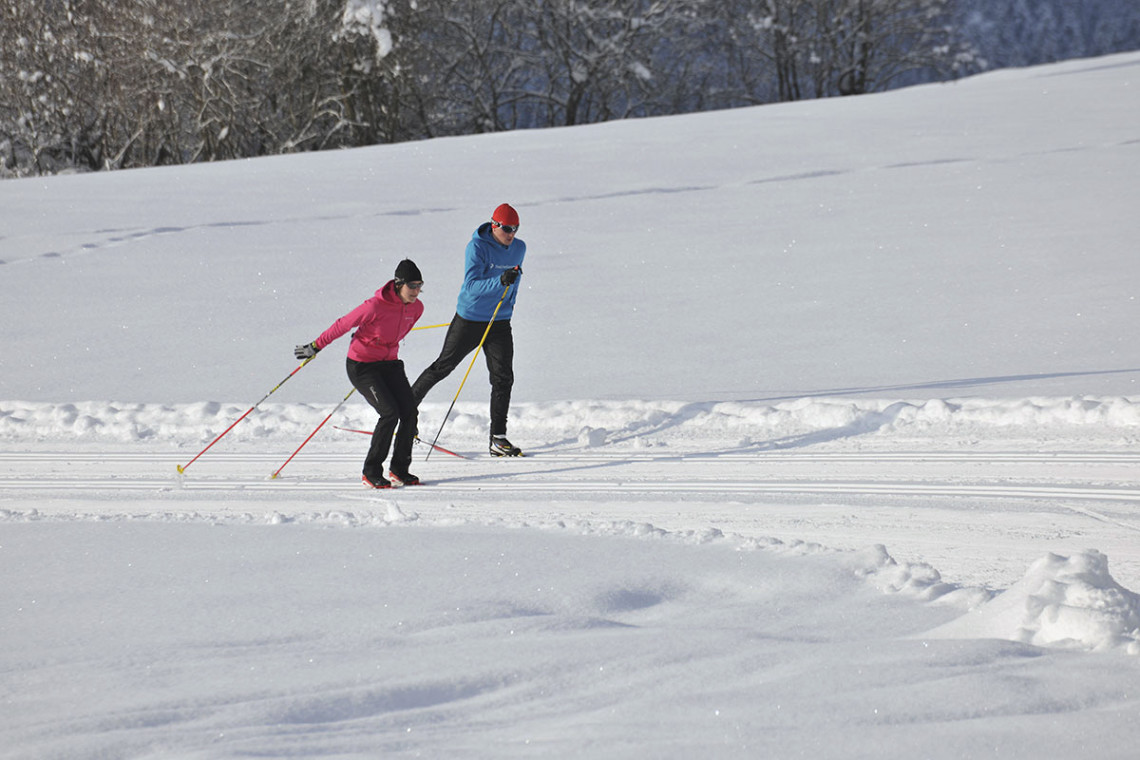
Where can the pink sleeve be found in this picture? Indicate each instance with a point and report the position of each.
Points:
(342, 325)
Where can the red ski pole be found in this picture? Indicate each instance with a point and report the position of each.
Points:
(182, 467)
(326, 419)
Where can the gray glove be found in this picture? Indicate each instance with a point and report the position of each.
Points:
(306, 351)
(509, 276)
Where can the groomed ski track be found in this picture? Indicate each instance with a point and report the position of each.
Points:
(966, 513)
(1087, 476)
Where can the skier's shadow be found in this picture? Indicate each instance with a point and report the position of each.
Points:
(860, 427)
(580, 467)
(869, 421)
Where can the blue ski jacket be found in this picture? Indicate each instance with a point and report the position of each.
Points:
(486, 258)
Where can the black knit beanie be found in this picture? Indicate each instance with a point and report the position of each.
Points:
(407, 271)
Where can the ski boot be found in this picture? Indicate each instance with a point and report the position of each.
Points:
(404, 479)
(501, 447)
(376, 482)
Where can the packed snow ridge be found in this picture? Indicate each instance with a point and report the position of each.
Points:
(596, 422)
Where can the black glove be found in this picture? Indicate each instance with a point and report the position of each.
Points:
(509, 276)
(306, 351)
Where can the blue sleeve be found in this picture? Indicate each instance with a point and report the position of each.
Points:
(481, 288)
(480, 278)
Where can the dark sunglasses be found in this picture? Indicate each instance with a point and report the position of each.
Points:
(414, 285)
(510, 229)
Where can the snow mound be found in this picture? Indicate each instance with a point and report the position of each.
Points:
(1067, 602)
(916, 580)
(759, 425)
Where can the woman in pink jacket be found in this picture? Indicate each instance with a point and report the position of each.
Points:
(376, 371)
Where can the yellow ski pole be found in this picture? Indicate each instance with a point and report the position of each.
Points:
(469, 368)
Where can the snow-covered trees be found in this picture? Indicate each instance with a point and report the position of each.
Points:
(100, 84)
(116, 83)
(793, 49)
(1028, 32)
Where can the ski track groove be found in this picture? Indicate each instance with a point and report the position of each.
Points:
(707, 485)
(535, 476)
(731, 474)
(751, 489)
(1061, 457)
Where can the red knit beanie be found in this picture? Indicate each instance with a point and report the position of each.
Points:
(504, 214)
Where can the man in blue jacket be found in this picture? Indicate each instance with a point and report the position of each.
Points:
(493, 266)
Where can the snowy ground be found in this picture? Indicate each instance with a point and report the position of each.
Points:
(831, 408)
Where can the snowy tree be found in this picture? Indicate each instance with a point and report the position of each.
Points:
(1028, 32)
(376, 64)
(509, 64)
(472, 72)
(98, 84)
(62, 74)
(792, 49)
(594, 58)
(366, 18)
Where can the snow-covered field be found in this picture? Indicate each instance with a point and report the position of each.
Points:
(833, 410)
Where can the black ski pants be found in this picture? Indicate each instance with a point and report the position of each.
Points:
(463, 337)
(384, 385)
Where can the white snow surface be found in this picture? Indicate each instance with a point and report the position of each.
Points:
(831, 407)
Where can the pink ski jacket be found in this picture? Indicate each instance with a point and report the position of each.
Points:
(381, 323)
